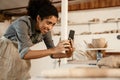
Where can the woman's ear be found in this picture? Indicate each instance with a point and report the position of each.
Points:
(38, 18)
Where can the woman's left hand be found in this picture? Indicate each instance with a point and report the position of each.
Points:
(69, 49)
(69, 53)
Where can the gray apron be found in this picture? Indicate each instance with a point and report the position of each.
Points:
(12, 67)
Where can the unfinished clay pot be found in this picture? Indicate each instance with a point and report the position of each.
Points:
(99, 43)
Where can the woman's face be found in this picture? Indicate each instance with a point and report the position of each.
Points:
(46, 24)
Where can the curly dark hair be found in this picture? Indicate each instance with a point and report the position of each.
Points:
(43, 8)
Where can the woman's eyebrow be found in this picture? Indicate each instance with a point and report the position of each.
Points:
(51, 23)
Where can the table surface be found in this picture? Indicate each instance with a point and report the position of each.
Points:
(80, 70)
(82, 62)
(88, 72)
(42, 78)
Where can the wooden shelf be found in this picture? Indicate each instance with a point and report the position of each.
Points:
(85, 23)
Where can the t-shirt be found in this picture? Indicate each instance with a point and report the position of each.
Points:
(23, 32)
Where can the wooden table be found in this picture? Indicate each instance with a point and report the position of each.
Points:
(81, 74)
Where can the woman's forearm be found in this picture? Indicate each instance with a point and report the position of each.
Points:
(34, 54)
(60, 55)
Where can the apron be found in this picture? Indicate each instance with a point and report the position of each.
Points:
(12, 67)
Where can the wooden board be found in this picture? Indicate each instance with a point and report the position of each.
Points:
(82, 73)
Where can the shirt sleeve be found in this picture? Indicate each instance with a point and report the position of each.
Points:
(48, 40)
(23, 38)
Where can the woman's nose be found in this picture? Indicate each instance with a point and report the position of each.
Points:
(50, 27)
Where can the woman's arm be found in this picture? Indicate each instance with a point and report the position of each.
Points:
(49, 43)
(58, 50)
(34, 54)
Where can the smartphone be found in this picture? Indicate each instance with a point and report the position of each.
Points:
(71, 35)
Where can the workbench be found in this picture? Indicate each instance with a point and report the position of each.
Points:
(78, 70)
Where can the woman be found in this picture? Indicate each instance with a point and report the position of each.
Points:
(15, 53)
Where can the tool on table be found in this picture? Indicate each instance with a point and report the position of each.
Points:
(59, 61)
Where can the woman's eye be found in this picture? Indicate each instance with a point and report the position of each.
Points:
(49, 23)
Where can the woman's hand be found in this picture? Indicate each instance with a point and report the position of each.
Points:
(62, 46)
(64, 49)
(69, 53)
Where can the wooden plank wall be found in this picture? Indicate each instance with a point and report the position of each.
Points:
(94, 4)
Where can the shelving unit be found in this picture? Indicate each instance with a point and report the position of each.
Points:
(113, 21)
(90, 23)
